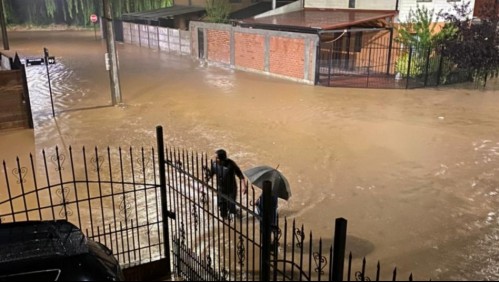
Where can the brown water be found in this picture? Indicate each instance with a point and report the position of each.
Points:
(415, 172)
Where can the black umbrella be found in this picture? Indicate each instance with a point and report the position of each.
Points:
(280, 185)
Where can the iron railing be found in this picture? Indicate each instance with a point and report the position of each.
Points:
(373, 59)
(117, 197)
(111, 195)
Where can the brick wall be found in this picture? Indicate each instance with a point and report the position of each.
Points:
(250, 51)
(218, 46)
(277, 53)
(287, 56)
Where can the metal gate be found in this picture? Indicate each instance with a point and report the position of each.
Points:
(371, 58)
(147, 204)
(111, 194)
(246, 246)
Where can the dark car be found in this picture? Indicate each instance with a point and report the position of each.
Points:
(53, 251)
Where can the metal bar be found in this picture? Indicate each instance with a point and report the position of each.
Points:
(439, 72)
(378, 270)
(125, 208)
(146, 202)
(320, 32)
(48, 184)
(408, 67)
(63, 195)
(75, 186)
(99, 182)
(390, 46)
(8, 190)
(285, 249)
(132, 171)
(340, 236)
(349, 266)
(310, 255)
(369, 66)
(162, 183)
(36, 186)
(266, 231)
(112, 186)
(426, 67)
(21, 182)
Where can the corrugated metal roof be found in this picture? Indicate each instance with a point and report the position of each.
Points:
(320, 19)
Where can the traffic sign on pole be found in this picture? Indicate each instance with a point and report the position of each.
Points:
(93, 18)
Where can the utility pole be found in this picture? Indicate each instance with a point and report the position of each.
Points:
(4, 28)
(112, 55)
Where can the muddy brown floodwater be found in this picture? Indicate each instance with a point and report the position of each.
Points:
(415, 172)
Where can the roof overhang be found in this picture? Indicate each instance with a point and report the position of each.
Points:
(317, 20)
(162, 13)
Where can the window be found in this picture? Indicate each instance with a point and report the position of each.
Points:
(453, 0)
(351, 4)
(420, 1)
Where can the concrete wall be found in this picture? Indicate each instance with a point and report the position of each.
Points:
(281, 54)
(161, 38)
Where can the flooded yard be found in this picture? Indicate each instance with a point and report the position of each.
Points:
(415, 172)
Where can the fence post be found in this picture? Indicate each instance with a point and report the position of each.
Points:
(266, 231)
(340, 238)
(426, 67)
(439, 72)
(390, 47)
(369, 66)
(408, 67)
(164, 207)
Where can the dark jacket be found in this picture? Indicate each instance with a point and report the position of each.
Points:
(226, 173)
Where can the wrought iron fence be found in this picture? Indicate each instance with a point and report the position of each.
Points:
(111, 195)
(373, 59)
(126, 199)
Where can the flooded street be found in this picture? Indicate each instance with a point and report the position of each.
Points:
(415, 172)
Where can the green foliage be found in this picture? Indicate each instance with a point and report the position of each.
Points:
(420, 30)
(71, 12)
(402, 65)
(474, 46)
(217, 11)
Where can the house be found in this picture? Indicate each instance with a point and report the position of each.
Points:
(485, 8)
(326, 42)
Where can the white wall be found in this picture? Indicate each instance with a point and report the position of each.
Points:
(438, 5)
(293, 7)
(359, 4)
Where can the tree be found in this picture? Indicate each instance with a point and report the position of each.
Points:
(475, 44)
(217, 11)
(71, 12)
(420, 29)
(419, 34)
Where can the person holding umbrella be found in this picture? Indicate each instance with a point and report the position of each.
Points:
(226, 171)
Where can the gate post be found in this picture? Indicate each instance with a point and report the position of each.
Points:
(266, 231)
(409, 67)
(340, 238)
(164, 207)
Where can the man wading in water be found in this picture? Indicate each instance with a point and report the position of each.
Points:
(226, 171)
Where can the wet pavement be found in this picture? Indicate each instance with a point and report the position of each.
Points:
(415, 172)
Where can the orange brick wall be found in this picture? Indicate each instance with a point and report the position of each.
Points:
(249, 50)
(287, 56)
(283, 54)
(218, 45)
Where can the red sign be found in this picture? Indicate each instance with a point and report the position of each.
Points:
(93, 18)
